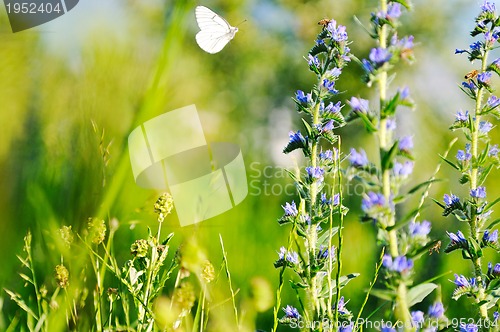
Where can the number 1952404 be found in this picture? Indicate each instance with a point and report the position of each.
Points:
(33, 8)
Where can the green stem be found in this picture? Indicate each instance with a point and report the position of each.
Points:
(474, 222)
(312, 235)
(340, 235)
(401, 306)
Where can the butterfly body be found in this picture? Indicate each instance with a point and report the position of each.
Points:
(215, 32)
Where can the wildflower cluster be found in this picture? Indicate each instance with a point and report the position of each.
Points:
(474, 163)
(312, 216)
(406, 239)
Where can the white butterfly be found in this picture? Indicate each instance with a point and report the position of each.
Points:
(215, 31)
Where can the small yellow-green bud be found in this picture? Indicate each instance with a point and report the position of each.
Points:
(66, 235)
(139, 248)
(62, 276)
(207, 271)
(163, 206)
(97, 230)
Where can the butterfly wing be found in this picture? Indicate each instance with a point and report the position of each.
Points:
(215, 31)
(212, 42)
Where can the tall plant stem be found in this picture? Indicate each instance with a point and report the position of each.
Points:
(401, 306)
(474, 222)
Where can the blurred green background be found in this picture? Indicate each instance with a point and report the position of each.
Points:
(119, 63)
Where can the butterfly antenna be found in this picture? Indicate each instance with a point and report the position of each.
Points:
(241, 23)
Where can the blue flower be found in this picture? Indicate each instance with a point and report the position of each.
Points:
(461, 281)
(463, 155)
(291, 312)
(331, 108)
(303, 98)
(495, 316)
(328, 126)
(488, 7)
(479, 192)
(460, 51)
(367, 66)
(406, 143)
(468, 328)
(391, 124)
(358, 159)
(484, 78)
(469, 85)
(379, 56)
(315, 173)
(372, 199)
(323, 253)
(475, 46)
(341, 306)
(399, 264)
(339, 33)
(359, 105)
(450, 199)
(459, 238)
(326, 155)
(490, 237)
(417, 316)
(436, 310)
(330, 86)
(325, 200)
(296, 137)
(493, 101)
(419, 229)
(485, 126)
(313, 61)
(336, 199)
(493, 151)
(335, 72)
(290, 209)
(393, 10)
(493, 271)
(404, 93)
(496, 63)
(288, 256)
(461, 116)
(403, 169)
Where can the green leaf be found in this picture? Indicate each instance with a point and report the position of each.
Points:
(344, 280)
(484, 174)
(384, 294)
(493, 223)
(317, 49)
(367, 122)
(474, 248)
(490, 205)
(390, 108)
(459, 292)
(389, 156)
(464, 179)
(307, 126)
(423, 184)
(450, 163)
(298, 285)
(418, 293)
(323, 239)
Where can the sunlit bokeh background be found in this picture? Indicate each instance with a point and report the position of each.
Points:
(119, 63)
